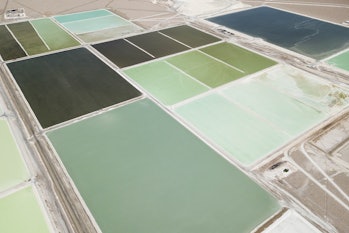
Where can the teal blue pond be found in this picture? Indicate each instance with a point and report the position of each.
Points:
(310, 37)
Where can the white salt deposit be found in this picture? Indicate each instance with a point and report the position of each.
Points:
(292, 222)
(204, 7)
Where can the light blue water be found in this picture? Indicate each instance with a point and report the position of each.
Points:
(95, 24)
(82, 16)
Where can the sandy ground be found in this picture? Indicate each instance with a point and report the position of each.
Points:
(142, 12)
(148, 14)
(317, 177)
(336, 11)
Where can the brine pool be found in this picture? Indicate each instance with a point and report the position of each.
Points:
(308, 36)
(20, 209)
(135, 166)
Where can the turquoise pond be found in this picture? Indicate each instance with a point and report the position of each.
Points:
(96, 25)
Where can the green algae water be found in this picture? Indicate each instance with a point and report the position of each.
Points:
(190, 36)
(138, 170)
(243, 59)
(205, 69)
(20, 213)
(54, 36)
(29, 39)
(71, 83)
(165, 83)
(12, 168)
(9, 48)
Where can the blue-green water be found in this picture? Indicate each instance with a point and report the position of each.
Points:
(307, 36)
(82, 16)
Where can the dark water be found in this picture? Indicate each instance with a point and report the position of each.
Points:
(122, 53)
(190, 36)
(9, 48)
(310, 37)
(28, 37)
(69, 84)
(156, 44)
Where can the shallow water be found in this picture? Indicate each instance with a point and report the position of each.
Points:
(139, 170)
(165, 83)
(12, 168)
(96, 25)
(21, 212)
(250, 119)
(82, 16)
(205, 69)
(54, 36)
(340, 61)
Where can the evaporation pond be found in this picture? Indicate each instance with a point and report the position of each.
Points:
(96, 25)
(12, 168)
(242, 134)
(138, 170)
(165, 82)
(239, 58)
(307, 36)
(122, 53)
(9, 48)
(205, 69)
(251, 119)
(157, 44)
(54, 37)
(190, 36)
(340, 61)
(20, 212)
(28, 37)
(65, 85)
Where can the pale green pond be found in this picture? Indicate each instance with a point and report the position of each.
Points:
(139, 170)
(253, 118)
(12, 168)
(20, 212)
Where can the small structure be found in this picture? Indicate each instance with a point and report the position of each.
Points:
(15, 13)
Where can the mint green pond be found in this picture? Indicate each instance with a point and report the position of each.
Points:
(12, 168)
(96, 25)
(139, 170)
(251, 119)
(340, 61)
(82, 16)
(20, 213)
(165, 82)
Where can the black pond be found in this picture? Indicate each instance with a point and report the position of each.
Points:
(65, 85)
